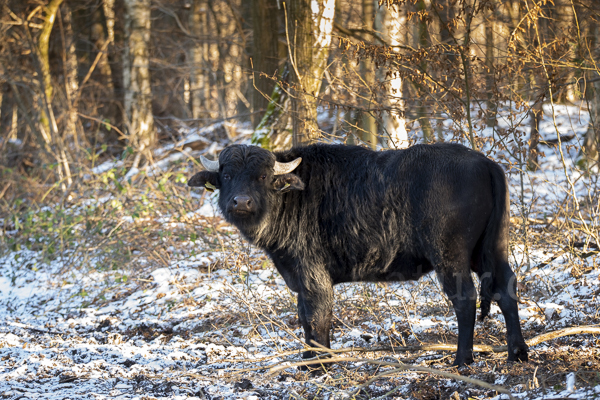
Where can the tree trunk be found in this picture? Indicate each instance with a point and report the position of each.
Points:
(272, 132)
(114, 35)
(367, 123)
(589, 156)
(49, 128)
(422, 110)
(43, 47)
(198, 59)
(309, 27)
(136, 77)
(71, 81)
(565, 22)
(99, 38)
(392, 23)
(492, 108)
(536, 113)
(265, 54)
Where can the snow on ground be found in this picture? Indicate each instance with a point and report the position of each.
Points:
(210, 322)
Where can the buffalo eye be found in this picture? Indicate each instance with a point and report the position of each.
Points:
(263, 177)
(226, 177)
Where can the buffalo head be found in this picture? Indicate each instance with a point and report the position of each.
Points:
(248, 178)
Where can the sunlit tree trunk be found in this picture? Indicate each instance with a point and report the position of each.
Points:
(49, 127)
(368, 124)
(264, 53)
(198, 58)
(44, 58)
(136, 77)
(309, 28)
(392, 23)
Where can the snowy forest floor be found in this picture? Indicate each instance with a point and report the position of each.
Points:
(131, 286)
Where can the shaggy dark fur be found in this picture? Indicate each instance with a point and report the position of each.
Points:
(349, 214)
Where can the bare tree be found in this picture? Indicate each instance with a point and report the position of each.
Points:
(368, 124)
(392, 22)
(136, 77)
(265, 53)
(198, 59)
(70, 73)
(309, 27)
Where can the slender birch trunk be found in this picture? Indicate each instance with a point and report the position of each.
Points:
(392, 22)
(136, 77)
(422, 110)
(367, 123)
(309, 27)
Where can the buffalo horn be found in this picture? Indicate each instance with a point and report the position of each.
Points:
(286, 168)
(212, 166)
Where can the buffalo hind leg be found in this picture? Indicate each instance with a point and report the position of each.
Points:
(315, 312)
(505, 289)
(461, 291)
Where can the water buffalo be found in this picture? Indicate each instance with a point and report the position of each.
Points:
(327, 214)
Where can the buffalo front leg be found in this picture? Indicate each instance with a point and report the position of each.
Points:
(461, 291)
(315, 304)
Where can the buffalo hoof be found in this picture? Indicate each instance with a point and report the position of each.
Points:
(462, 362)
(315, 369)
(518, 354)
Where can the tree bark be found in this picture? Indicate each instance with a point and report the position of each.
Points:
(492, 108)
(49, 128)
(565, 22)
(422, 110)
(44, 58)
(392, 22)
(114, 34)
(367, 123)
(136, 78)
(198, 58)
(99, 38)
(309, 27)
(265, 54)
(589, 156)
(536, 113)
(71, 81)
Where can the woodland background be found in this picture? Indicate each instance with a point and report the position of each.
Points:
(81, 77)
(117, 279)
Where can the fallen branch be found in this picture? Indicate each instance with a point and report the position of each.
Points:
(480, 348)
(399, 367)
(441, 347)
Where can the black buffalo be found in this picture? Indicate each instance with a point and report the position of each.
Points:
(349, 214)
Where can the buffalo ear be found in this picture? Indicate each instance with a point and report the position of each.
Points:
(206, 179)
(285, 183)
